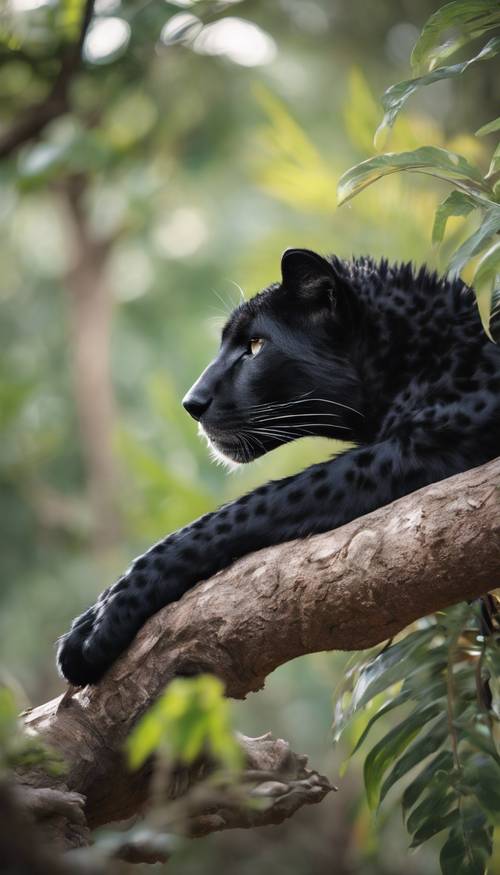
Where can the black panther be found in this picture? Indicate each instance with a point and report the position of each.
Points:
(392, 359)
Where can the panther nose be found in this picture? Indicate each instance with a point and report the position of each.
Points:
(196, 404)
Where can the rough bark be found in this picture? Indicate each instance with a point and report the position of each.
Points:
(348, 589)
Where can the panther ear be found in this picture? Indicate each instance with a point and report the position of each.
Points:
(307, 275)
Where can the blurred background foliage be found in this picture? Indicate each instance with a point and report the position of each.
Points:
(194, 143)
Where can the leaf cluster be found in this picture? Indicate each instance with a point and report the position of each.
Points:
(18, 750)
(451, 28)
(189, 720)
(440, 681)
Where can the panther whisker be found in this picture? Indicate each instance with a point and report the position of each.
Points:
(292, 416)
(313, 425)
(311, 400)
(243, 299)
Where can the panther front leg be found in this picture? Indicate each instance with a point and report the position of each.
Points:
(318, 499)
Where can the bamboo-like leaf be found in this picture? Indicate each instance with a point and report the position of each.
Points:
(392, 665)
(396, 96)
(389, 748)
(489, 128)
(431, 160)
(453, 26)
(443, 761)
(479, 737)
(482, 776)
(439, 797)
(467, 848)
(423, 747)
(490, 225)
(398, 700)
(435, 824)
(456, 204)
(365, 681)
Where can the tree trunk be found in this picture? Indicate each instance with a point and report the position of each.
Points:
(90, 314)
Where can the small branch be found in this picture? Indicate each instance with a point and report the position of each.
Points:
(274, 785)
(37, 117)
(348, 589)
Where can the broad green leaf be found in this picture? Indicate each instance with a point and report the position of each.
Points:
(431, 160)
(494, 324)
(467, 848)
(490, 225)
(456, 204)
(386, 751)
(396, 96)
(423, 747)
(489, 128)
(443, 761)
(453, 26)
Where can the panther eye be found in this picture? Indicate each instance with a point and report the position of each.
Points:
(256, 345)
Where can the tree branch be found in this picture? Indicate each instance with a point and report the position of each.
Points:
(348, 589)
(55, 104)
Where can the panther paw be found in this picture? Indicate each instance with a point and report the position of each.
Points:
(72, 656)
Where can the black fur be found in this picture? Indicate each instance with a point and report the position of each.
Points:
(391, 359)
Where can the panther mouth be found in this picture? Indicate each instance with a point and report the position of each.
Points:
(227, 449)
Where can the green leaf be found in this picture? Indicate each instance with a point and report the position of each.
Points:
(489, 128)
(396, 96)
(495, 314)
(389, 748)
(431, 160)
(453, 26)
(435, 823)
(467, 848)
(365, 681)
(482, 776)
(385, 709)
(494, 163)
(191, 716)
(488, 267)
(443, 761)
(479, 736)
(392, 665)
(416, 753)
(439, 797)
(8, 716)
(490, 225)
(456, 204)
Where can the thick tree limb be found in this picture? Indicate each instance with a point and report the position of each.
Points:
(348, 589)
